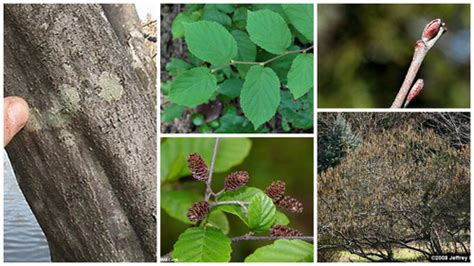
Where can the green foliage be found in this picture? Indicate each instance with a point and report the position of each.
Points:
(268, 30)
(299, 113)
(260, 95)
(171, 112)
(335, 143)
(202, 244)
(301, 17)
(174, 152)
(243, 55)
(283, 250)
(210, 41)
(207, 240)
(245, 194)
(300, 76)
(193, 87)
(262, 213)
(177, 203)
(219, 220)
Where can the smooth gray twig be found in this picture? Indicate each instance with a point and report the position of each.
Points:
(211, 169)
(270, 238)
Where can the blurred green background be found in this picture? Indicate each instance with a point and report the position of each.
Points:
(364, 52)
(287, 159)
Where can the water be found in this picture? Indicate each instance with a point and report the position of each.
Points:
(24, 240)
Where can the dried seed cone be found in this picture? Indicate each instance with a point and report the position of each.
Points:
(281, 230)
(290, 204)
(198, 167)
(198, 211)
(276, 190)
(236, 180)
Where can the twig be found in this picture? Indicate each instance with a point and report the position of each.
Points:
(430, 36)
(270, 238)
(232, 62)
(211, 169)
(242, 204)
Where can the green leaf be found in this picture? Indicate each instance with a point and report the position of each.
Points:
(247, 51)
(281, 219)
(300, 76)
(177, 28)
(297, 112)
(210, 41)
(216, 16)
(301, 16)
(240, 18)
(193, 87)
(282, 65)
(177, 203)
(260, 95)
(231, 122)
(202, 244)
(261, 213)
(165, 87)
(171, 112)
(175, 151)
(177, 66)
(230, 88)
(277, 8)
(245, 194)
(219, 220)
(268, 30)
(283, 250)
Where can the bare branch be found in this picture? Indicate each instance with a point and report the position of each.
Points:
(211, 169)
(270, 238)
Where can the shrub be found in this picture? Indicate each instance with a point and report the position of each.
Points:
(401, 188)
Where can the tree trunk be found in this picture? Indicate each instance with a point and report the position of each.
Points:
(86, 160)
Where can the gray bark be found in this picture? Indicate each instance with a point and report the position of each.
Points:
(86, 160)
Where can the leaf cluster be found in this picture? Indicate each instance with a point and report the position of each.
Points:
(255, 58)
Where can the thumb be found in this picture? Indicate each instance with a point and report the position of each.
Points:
(15, 114)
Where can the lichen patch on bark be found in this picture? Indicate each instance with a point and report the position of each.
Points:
(110, 87)
(69, 98)
(67, 137)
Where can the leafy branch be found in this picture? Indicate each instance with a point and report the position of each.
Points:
(233, 62)
(431, 34)
(255, 207)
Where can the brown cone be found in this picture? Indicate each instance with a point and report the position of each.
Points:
(276, 190)
(198, 211)
(198, 167)
(290, 204)
(236, 180)
(281, 230)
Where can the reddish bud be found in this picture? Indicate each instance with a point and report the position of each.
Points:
(414, 91)
(431, 30)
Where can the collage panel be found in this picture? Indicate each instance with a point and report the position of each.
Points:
(236, 199)
(394, 55)
(80, 130)
(394, 187)
(237, 68)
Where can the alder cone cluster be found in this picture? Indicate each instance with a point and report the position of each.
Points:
(290, 204)
(236, 180)
(198, 211)
(198, 167)
(276, 190)
(281, 230)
